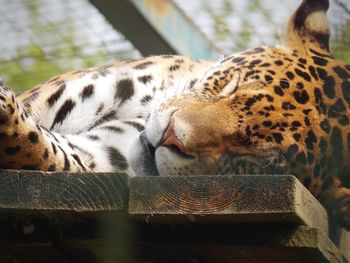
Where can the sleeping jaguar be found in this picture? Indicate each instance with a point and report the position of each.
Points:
(280, 109)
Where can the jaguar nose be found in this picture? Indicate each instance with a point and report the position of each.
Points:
(170, 139)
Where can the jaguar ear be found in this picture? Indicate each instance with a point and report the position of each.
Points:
(309, 26)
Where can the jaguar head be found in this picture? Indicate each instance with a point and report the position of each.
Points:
(265, 110)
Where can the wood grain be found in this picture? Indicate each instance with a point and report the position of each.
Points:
(78, 192)
(208, 218)
(232, 198)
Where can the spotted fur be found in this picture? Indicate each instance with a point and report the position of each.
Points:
(280, 109)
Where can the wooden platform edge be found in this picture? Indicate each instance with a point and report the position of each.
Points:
(330, 251)
(294, 243)
(256, 198)
(313, 214)
(308, 209)
(175, 199)
(78, 192)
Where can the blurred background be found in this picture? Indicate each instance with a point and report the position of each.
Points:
(43, 38)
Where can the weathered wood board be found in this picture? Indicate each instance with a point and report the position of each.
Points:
(80, 192)
(225, 198)
(280, 243)
(107, 217)
(232, 199)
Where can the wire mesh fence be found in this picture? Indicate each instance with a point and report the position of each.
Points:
(44, 38)
(235, 25)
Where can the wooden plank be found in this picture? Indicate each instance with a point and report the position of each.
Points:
(257, 198)
(308, 209)
(78, 192)
(343, 242)
(340, 237)
(229, 199)
(215, 198)
(157, 27)
(33, 206)
(249, 243)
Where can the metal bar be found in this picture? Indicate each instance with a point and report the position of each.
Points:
(157, 27)
(176, 28)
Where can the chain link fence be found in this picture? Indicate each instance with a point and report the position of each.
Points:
(43, 38)
(235, 25)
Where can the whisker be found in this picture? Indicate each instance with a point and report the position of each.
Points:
(270, 162)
